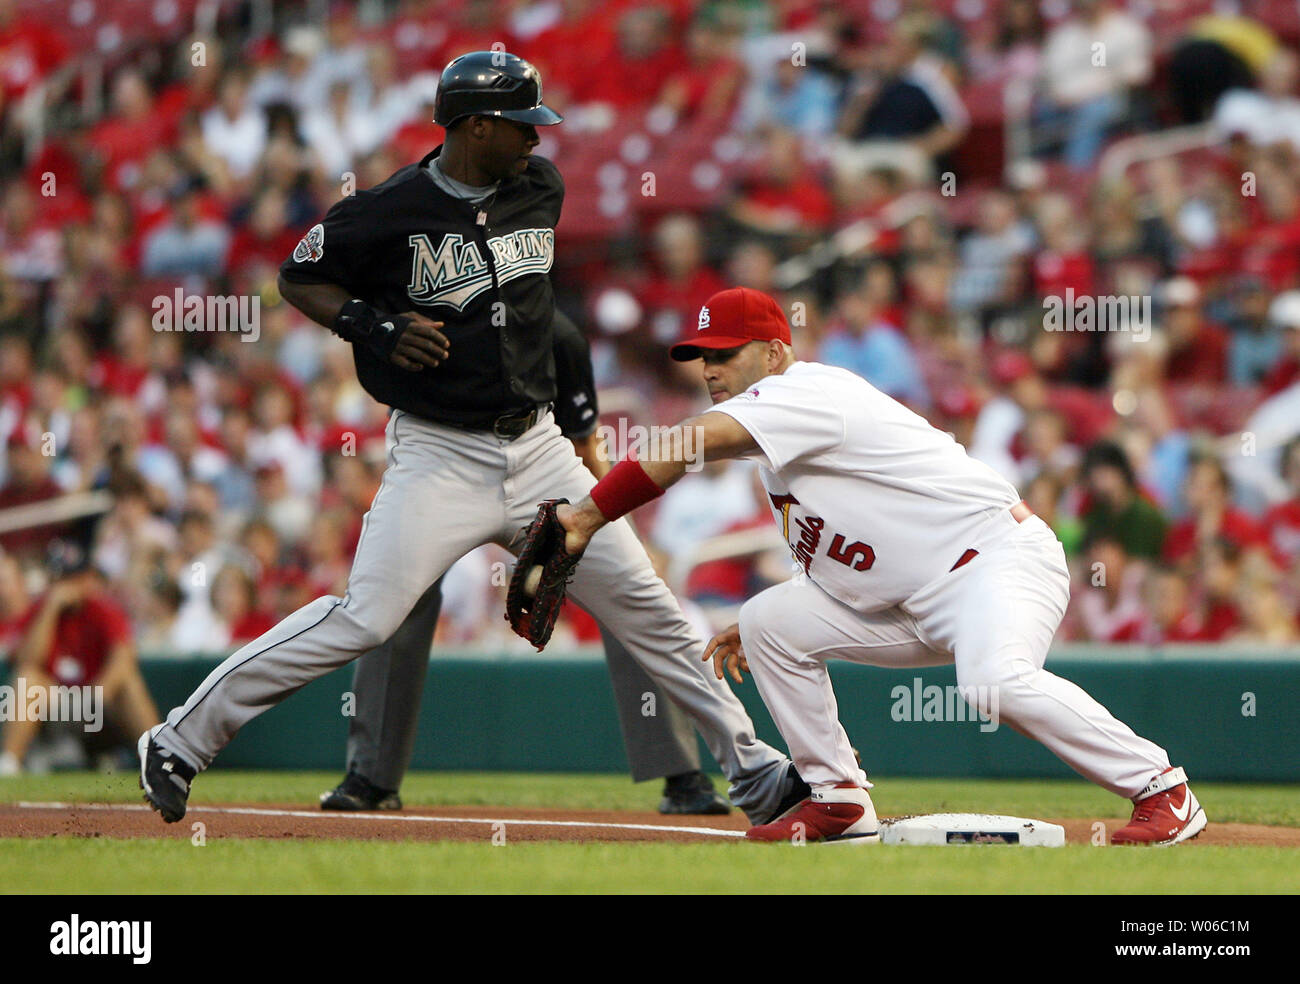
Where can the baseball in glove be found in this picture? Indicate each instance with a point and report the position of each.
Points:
(542, 573)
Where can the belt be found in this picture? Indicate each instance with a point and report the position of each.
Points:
(511, 425)
(508, 426)
(1019, 512)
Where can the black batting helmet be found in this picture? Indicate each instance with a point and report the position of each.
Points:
(492, 83)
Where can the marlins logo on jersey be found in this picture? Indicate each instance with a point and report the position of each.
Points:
(456, 272)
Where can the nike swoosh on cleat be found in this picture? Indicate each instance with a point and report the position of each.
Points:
(1183, 814)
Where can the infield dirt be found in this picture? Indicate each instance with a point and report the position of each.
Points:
(468, 824)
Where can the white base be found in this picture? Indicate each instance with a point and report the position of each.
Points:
(971, 828)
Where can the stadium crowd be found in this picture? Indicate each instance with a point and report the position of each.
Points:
(837, 155)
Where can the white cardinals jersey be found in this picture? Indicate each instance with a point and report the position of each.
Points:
(873, 500)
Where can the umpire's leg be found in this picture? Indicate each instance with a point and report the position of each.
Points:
(388, 684)
(658, 744)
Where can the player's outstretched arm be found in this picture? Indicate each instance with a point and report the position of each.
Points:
(634, 481)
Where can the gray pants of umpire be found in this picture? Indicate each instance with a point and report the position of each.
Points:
(389, 681)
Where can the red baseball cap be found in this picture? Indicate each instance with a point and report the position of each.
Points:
(732, 318)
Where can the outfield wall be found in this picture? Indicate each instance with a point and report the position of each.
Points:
(1222, 714)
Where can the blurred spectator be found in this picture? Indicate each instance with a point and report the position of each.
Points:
(1045, 495)
(1269, 114)
(15, 600)
(707, 86)
(156, 616)
(178, 457)
(77, 635)
(702, 505)
(1264, 615)
(793, 97)
(276, 440)
(1171, 617)
(1198, 350)
(1220, 564)
(616, 77)
(327, 555)
(1109, 599)
(1219, 53)
(1124, 233)
(1093, 63)
(289, 515)
(1047, 449)
(188, 243)
(1284, 315)
(783, 198)
(235, 599)
(908, 99)
(1282, 522)
(28, 483)
(1016, 51)
(131, 540)
(864, 341)
(31, 249)
(1116, 507)
(135, 127)
(999, 242)
(235, 130)
(682, 281)
(1211, 515)
(287, 71)
(30, 53)
(1261, 333)
(340, 131)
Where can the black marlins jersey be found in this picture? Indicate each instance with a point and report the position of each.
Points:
(406, 245)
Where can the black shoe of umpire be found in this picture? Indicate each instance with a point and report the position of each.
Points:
(692, 792)
(164, 778)
(356, 792)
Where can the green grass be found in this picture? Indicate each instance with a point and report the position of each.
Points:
(109, 866)
(113, 867)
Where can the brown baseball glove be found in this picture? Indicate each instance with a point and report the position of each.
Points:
(542, 572)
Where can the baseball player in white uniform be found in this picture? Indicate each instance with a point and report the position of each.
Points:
(907, 552)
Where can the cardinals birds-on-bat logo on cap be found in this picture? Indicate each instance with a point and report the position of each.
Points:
(704, 318)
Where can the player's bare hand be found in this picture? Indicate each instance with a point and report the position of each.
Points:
(727, 653)
(579, 524)
(421, 344)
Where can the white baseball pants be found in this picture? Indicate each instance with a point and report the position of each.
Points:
(993, 617)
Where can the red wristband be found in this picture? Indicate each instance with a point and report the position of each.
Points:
(626, 487)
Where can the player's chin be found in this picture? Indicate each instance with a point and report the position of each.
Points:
(721, 396)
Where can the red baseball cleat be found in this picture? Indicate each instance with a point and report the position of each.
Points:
(831, 813)
(1166, 812)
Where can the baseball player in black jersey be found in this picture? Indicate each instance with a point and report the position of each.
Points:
(389, 681)
(439, 278)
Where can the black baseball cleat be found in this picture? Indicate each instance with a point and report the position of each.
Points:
(164, 777)
(692, 792)
(356, 792)
(795, 791)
